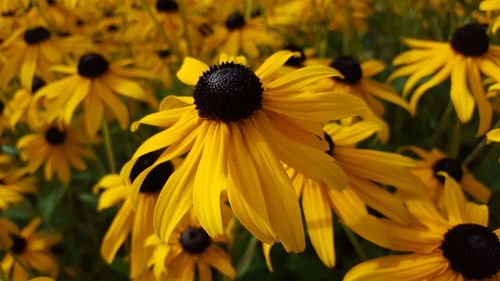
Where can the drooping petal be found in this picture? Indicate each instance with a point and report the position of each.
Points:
(460, 95)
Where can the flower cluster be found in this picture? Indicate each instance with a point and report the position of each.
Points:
(164, 139)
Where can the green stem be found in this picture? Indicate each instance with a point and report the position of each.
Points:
(447, 112)
(161, 30)
(187, 35)
(355, 243)
(248, 9)
(245, 260)
(454, 146)
(108, 146)
(479, 147)
(347, 32)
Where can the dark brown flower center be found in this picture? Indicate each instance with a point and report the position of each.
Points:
(36, 35)
(295, 61)
(92, 65)
(37, 83)
(451, 166)
(331, 145)
(228, 92)
(157, 177)
(54, 136)
(166, 6)
(470, 40)
(349, 67)
(195, 240)
(143, 162)
(235, 20)
(19, 244)
(2, 107)
(472, 250)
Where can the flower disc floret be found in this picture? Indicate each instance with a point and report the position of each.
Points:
(228, 92)
(470, 40)
(472, 250)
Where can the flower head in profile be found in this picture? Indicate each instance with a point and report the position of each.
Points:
(237, 129)
(433, 162)
(190, 249)
(33, 248)
(57, 148)
(14, 183)
(456, 244)
(468, 55)
(97, 84)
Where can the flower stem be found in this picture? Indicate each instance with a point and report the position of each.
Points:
(187, 35)
(355, 243)
(475, 152)
(108, 146)
(245, 260)
(248, 9)
(161, 30)
(347, 32)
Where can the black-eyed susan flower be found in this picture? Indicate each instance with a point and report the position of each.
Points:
(454, 245)
(97, 83)
(57, 148)
(358, 80)
(33, 248)
(14, 182)
(368, 170)
(22, 105)
(30, 51)
(240, 34)
(434, 161)
(468, 55)
(237, 128)
(133, 218)
(190, 249)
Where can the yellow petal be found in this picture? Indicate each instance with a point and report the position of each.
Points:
(273, 63)
(460, 95)
(191, 70)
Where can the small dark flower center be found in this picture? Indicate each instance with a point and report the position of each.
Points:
(92, 65)
(295, 61)
(195, 240)
(36, 35)
(2, 182)
(51, 2)
(331, 145)
(80, 22)
(18, 245)
(166, 6)
(205, 29)
(349, 67)
(256, 13)
(470, 40)
(228, 92)
(113, 28)
(235, 20)
(163, 53)
(37, 83)
(157, 178)
(2, 107)
(472, 250)
(54, 136)
(144, 162)
(451, 166)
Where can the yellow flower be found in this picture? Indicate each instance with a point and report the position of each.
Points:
(236, 130)
(31, 50)
(33, 248)
(13, 184)
(357, 81)
(364, 168)
(189, 249)
(6, 229)
(96, 83)
(240, 34)
(464, 58)
(456, 245)
(494, 135)
(22, 107)
(57, 148)
(434, 162)
(12, 6)
(133, 218)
